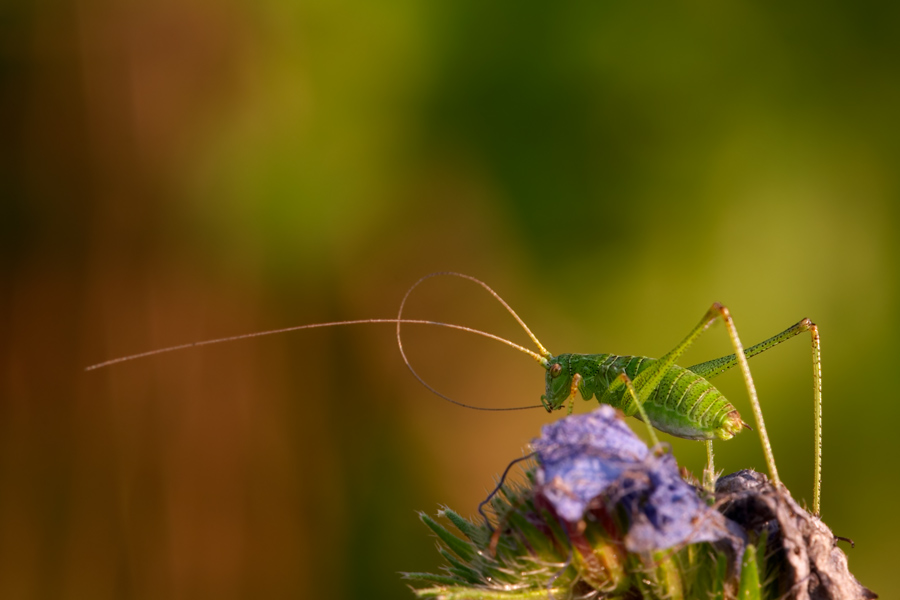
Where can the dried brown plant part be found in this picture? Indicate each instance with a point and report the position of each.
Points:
(811, 565)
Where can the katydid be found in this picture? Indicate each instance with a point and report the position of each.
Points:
(678, 400)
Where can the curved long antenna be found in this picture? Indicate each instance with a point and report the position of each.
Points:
(541, 358)
(245, 336)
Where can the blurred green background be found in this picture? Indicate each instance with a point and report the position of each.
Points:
(175, 171)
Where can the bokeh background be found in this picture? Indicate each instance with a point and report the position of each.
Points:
(176, 171)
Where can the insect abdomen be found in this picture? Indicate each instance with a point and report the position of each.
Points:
(684, 404)
(687, 405)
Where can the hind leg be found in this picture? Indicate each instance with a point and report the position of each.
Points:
(718, 366)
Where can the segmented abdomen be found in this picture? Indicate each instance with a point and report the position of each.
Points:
(684, 404)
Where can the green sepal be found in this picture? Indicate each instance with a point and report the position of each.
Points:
(460, 569)
(474, 533)
(461, 548)
(431, 578)
(555, 527)
(721, 570)
(659, 575)
(464, 593)
(540, 544)
(762, 564)
(749, 587)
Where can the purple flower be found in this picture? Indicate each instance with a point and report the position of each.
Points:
(596, 457)
(581, 456)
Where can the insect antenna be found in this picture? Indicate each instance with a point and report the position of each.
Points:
(541, 358)
(245, 336)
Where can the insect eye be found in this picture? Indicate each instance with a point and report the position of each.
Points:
(555, 370)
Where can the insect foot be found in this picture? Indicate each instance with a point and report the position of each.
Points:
(599, 515)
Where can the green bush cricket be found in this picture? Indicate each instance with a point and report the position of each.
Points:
(678, 400)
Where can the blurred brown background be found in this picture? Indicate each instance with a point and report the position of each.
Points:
(175, 171)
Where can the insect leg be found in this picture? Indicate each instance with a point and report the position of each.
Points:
(751, 391)
(718, 366)
(573, 388)
(612, 390)
(709, 473)
(647, 381)
(650, 377)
